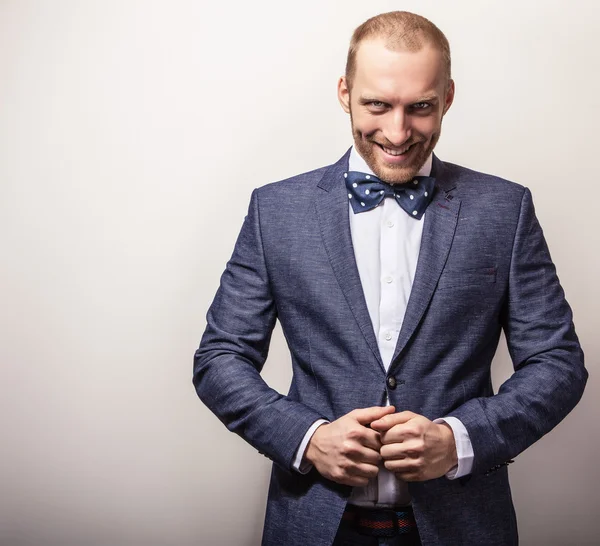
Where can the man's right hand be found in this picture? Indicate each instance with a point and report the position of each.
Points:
(346, 450)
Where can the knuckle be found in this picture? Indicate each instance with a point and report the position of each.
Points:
(347, 447)
(372, 471)
(354, 433)
(343, 465)
(337, 474)
(386, 437)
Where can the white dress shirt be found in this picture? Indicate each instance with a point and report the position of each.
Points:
(386, 244)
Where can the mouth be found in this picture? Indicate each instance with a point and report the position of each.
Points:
(396, 154)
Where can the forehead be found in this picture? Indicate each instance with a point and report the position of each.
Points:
(401, 74)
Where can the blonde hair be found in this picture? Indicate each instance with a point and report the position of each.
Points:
(401, 30)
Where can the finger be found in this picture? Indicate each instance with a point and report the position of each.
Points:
(367, 415)
(399, 434)
(364, 470)
(395, 435)
(354, 481)
(365, 455)
(407, 466)
(371, 439)
(403, 450)
(392, 451)
(386, 422)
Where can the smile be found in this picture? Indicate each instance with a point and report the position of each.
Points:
(396, 152)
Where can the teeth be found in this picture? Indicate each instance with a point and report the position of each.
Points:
(397, 152)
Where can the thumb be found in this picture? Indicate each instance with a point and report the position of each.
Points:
(365, 416)
(387, 422)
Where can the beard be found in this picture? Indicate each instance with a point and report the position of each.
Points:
(390, 172)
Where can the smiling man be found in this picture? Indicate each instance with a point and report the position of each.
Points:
(396, 97)
(393, 274)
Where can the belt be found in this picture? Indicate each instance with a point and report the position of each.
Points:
(380, 522)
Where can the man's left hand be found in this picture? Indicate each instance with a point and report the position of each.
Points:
(415, 448)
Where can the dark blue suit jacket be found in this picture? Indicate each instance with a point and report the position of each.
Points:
(483, 267)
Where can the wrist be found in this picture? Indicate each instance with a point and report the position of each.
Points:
(312, 448)
(450, 443)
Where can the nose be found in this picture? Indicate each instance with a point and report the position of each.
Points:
(398, 129)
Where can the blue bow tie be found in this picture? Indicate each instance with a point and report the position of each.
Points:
(366, 191)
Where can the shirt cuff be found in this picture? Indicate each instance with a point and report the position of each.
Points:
(298, 464)
(464, 448)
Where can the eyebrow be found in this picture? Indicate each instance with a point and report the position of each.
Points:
(366, 99)
(425, 98)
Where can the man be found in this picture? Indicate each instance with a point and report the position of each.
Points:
(392, 274)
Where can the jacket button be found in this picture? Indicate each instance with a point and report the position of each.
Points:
(391, 382)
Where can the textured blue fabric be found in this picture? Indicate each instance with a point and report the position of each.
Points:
(483, 267)
(366, 191)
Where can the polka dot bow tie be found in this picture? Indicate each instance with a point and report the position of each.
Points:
(366, 191)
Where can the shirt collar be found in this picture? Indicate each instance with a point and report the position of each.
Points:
(357, 163)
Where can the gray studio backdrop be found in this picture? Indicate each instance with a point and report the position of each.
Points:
(117, 120)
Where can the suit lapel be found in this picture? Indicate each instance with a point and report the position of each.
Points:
(333, 216)
(438, 232)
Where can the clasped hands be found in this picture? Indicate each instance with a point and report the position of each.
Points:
(350, 449)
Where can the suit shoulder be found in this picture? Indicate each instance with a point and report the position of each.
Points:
(294, 183)
(291, 195)
(470, 180)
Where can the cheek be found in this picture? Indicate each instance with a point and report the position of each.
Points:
(366, 125)
(427, 127)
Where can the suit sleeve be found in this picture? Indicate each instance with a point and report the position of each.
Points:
(549, 376)
(234, 348)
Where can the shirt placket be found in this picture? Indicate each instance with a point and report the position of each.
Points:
(390, 277)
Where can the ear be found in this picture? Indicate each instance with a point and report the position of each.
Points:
(344, 94)
(449, 96)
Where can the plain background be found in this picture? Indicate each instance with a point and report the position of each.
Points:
(131, 136)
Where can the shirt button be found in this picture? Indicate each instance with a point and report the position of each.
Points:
(391, 382)
(388, 279)
(388, 336)
(389, 223)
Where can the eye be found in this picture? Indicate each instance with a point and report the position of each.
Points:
(421, 105)
(377, 104)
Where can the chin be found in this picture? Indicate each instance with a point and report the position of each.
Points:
(394, 175)
(389, 172)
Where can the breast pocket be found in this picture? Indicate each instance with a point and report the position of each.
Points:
(463, 278)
